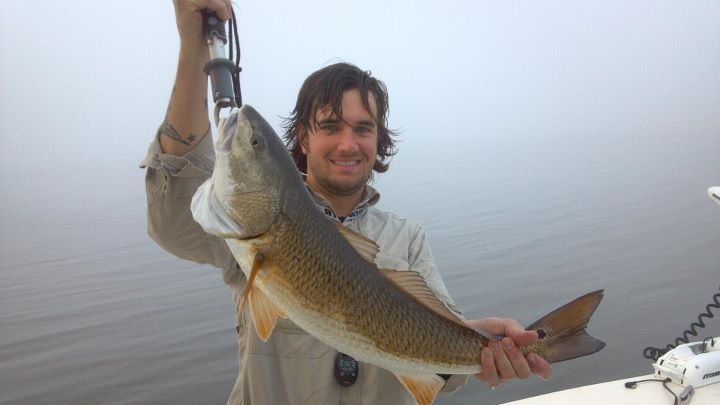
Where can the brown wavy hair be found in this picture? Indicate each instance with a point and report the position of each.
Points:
(325, 88)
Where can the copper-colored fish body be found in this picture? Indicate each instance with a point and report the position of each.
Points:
(325, 287)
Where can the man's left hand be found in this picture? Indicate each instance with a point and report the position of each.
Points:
(502, 360)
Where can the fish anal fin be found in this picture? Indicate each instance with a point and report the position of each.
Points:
(413, 283)
(424, 388)
(365, 247)
(264, 313)
(565, 330)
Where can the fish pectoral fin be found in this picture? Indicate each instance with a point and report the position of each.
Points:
(413, 284)
(365, 247)
(264, 313)
(257, 263)
(424, 388)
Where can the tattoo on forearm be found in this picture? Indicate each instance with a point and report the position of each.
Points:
(205, 104)
(168, 130)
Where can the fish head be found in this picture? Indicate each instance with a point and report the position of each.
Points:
(250, 170)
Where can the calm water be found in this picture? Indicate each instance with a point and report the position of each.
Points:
(91, 311)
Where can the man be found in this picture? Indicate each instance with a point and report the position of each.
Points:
(337, 135)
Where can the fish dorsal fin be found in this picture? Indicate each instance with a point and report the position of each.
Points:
(264, 313)
(366, 248)
(412, 283)
(423, 388)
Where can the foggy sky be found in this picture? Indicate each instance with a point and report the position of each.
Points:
(85, 84)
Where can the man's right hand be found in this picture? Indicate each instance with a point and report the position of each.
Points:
(188, 17)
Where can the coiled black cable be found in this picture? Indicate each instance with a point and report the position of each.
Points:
(234, 46)
(654, 353)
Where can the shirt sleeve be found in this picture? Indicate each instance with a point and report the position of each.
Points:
(170, 183)
(421, 260)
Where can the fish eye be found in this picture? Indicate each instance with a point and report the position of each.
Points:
(256, 142)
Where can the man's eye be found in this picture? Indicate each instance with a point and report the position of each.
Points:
(363, 130)
(329, 128)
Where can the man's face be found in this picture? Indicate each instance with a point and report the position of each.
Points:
(341, 150)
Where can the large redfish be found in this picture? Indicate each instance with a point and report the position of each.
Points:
(323, 277)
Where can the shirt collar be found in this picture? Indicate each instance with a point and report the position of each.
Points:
(370, 198)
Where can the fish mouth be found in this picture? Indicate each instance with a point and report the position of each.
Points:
(239, 124)
(227, 129)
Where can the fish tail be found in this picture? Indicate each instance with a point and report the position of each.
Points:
(564, 329)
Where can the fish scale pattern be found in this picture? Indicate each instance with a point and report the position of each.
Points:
(315, 265)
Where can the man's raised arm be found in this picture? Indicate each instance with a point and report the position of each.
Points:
(186, 121)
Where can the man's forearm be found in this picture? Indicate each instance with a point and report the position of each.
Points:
(186, 121)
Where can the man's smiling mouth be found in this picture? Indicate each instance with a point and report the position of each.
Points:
(345, 162)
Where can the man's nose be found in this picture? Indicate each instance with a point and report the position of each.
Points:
(348, 143)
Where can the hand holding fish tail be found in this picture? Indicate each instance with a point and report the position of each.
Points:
(502, 360)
